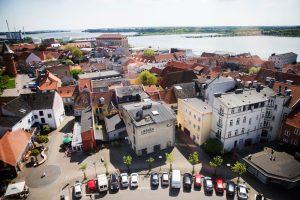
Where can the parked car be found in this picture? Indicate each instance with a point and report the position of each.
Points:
(154, 179)
(219, 187)
(242, 192)
(134, 182)
(165, 179)
(77, 189)
(124, 180)
(230, 188)
(208, 184)
(197, 180)
(187, 181)
(91, 185)
(114, 182)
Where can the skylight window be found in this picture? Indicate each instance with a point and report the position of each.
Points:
(155, 112)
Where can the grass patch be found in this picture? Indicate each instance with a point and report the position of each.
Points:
(11, 83)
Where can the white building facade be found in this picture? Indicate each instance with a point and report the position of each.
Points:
(281, 59)
(246, 117)
(194, 118)
(150, 126)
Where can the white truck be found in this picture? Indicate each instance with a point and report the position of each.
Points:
(175, 179)
(102, 182)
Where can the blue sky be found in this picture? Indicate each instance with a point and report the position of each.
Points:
(81, 14)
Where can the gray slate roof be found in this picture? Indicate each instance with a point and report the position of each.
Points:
(86, 119)
(164, 113)
(25, 103)
(113, 123)
(100, 75)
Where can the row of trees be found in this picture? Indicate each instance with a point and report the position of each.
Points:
(238, 168)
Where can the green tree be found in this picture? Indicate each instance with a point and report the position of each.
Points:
(239, 168)
(83, 167)
(146, 78)
(253, 70)
(41, 139)
(170, 159)
(127, 160)
(76, 72)
(149, 52)
(105, 163)
(150, 160)
(194, 159)
(216, 162)
(28, 39)
(77, 54)
(68, 62)
(35, 153)
(69, 48)
(213, 146)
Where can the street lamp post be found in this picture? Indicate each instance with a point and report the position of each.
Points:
(228, 165)
(94, 163)
(160, 159)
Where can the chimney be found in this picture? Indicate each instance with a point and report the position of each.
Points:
(279, 89)
(258, 87)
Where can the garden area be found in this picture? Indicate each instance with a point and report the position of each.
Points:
(7, 82)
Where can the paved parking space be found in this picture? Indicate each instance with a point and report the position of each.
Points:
(145, 191)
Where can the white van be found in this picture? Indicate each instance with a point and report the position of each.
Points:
(102, 182)
(175, 179)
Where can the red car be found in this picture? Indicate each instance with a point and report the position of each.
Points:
(219, 186)
(91, 184)
(197, 180)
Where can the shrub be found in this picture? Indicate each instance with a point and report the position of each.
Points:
(213, 147)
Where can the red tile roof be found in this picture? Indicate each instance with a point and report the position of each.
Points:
(295, 95)
(111, 36)
(67, 91)
(164, 57)
(294, 119)
(84, 84)
(96, 96)
(12, 146)
(49, 82)
(279, 76)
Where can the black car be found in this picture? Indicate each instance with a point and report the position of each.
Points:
(230, 188)
(187, 181)
(114, 182)
(208, 184)
(154, 179)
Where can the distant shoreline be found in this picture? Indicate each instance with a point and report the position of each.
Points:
(286, 31)
(39, 32)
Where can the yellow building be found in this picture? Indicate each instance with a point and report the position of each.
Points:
(194, 118)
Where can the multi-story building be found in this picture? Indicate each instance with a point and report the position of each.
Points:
(112, 40)
(150, 126)
(68, 94)
(247, 116)
(281, 59)
(28, 109)
(290, 131)
(194, 117)
(206, 88)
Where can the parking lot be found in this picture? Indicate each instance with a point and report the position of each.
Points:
(146, 191)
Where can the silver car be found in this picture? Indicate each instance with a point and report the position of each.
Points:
(124, 180)
(165, 179)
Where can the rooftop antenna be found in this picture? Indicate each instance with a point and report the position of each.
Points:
(8, 29)
(23, 31)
